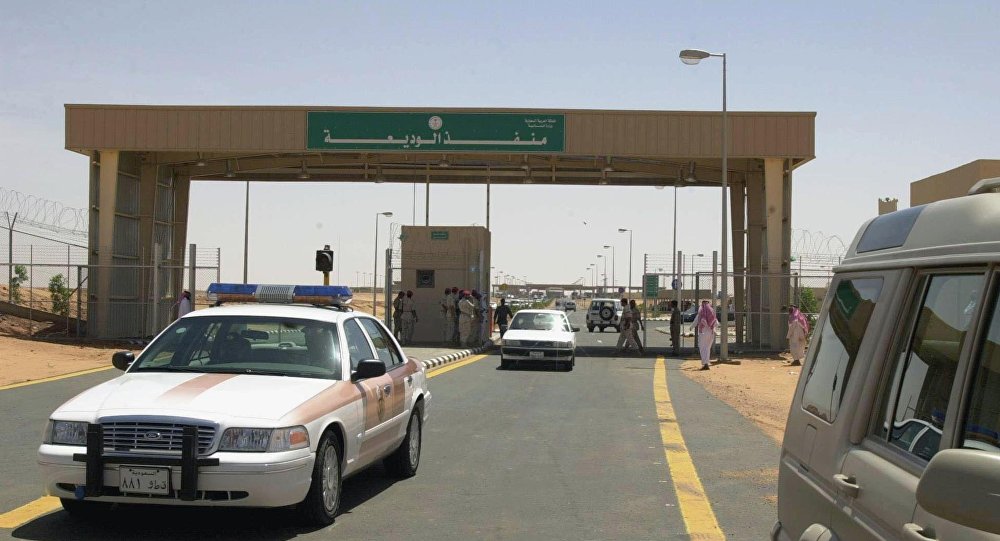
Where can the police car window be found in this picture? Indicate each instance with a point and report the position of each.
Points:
(357, 343)
(837, 348)
(925, 368)
(384, 346)
(981, 429)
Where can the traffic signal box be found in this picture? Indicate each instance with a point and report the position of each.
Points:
(324, 260)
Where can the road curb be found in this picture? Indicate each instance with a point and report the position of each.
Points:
(458, 355)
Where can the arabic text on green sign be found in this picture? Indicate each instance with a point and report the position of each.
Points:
(515, 133)
(652, 289)
(439, 235)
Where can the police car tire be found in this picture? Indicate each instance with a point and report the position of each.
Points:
(400, 463)
(313, 508)
(607, 313)
(85, 510)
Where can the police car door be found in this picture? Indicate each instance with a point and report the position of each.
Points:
(375, 437)
(394, 390)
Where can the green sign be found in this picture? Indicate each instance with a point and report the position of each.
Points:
(514, 133)
(439, 235)
(651, 286)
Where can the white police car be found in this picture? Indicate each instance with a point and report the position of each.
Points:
(259, 405)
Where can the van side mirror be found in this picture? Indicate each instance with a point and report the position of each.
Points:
(960, 486)
(369, 368)
(122, 360)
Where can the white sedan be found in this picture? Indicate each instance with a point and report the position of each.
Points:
(260, 405)
(539, 336)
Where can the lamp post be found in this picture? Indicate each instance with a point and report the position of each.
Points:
(246, 233)
(613, 282)
(692, 261)
(605, 286)
(622, 230)
(690, 57)
(375, 272)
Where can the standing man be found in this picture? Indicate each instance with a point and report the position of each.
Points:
(798, 329)
(502, 316)
(184, 305)
(704, 327)
(635, 325)
(397, 314)
(409, 318)
(455, 337)
(676, 318)
(487, 326)
(467, 313)
(623, 326)
(477, 320)
(447, 314)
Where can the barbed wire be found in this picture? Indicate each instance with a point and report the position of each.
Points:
(44, 214)
(817, 243)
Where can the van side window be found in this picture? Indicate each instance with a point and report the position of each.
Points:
(925, 369)
(840, 339)
(982, 422)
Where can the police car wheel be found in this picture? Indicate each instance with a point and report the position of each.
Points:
(322, 502)
(403, 462)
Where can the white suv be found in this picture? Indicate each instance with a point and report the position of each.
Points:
(604, 313)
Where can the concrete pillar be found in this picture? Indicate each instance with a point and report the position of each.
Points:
(147, 208)
(755, 248)
(738, 218)
(107, 193)
(181, 192)
(775, 267)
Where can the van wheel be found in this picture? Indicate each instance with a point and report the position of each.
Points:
(618, 328)
(590, 328)
(322, 502)
(601, 328)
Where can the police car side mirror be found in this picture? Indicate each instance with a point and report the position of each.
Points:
(370, 368)
(122, 360)
(960, 485)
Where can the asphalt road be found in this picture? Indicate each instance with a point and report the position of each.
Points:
(533, 453)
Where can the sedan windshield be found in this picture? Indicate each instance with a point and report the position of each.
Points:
(539, 322)
(245, 345)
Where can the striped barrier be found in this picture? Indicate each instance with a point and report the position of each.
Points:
(452, 357)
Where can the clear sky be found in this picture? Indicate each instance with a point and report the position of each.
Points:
(902, 90)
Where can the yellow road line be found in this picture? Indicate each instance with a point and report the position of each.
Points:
(54, 378)
(28, 512)
(699, 519)
(459, 364)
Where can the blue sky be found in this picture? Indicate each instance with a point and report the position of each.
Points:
(901, 91)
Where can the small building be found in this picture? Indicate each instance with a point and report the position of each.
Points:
(952, 183)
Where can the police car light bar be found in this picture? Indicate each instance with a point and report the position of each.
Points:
(280, 294)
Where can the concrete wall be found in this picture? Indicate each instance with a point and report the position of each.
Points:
(462, 260)
(953, 183)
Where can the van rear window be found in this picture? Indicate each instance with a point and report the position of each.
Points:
(889, 230)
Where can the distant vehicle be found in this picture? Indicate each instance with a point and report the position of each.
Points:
(555, 293)
(604, 313)
(539, 336)
(569, 306)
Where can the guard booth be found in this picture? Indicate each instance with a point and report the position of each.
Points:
(436, 257)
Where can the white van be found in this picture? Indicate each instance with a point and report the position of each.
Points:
(894, 430)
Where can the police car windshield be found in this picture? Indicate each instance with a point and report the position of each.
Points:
(539, 322)
(246, 345)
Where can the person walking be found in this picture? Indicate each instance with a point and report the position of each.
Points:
(487, 324)
(397, 315)
(798, 329)
(623, 325)
(476, 334)
(467, 314)
(447, 314)
(458, 297)
(704, 327)
(502, 316)
(184, 304)
(676, 321)
(409, 318)
(635, 325)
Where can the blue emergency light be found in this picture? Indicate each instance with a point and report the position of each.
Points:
(280, 294)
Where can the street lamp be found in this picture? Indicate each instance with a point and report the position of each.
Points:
(601, 256)
(692, 261)
(693, 56)
(622, 230)
(613, 282)
(375, 273)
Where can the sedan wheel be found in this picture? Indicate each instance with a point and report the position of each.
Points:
(323, 499)
(403, 462)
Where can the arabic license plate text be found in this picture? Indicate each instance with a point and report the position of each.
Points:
(144, 480)
(536, 354)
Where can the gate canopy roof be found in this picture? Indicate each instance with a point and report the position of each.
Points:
(441, 145)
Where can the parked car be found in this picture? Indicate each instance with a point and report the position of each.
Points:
(604, 313)
(539, 336)
(909, 338)
(253, 405)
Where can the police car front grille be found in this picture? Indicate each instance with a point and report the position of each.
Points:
(155, 437)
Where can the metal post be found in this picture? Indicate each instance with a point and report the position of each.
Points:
(715, 263)
(488, 197)
(427, 198)
(79, 300)
(680, 285)
(218, 265)
(10, 255)
(192, 274)
(724, 347)
(674, 269)
(630, 260)
(31, 284)
(156, 290)
(387, 290)
(246, 235)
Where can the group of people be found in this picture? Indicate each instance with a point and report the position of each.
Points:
(404, 317)
(465, 317)
(630, 324)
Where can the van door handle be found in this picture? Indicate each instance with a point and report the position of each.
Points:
(847, 484)
(916, 532)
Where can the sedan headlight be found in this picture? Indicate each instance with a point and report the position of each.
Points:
(260, 440)
(511, 343)
(563, 344)
(66, 433)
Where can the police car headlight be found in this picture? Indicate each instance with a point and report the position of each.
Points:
(511, 343)
(67, 433)
(260, 440)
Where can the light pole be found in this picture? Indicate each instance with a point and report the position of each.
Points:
(246, 233)
(693, 56)
(693, 272)
(622, 230)
(605, 286)
(613, 282)
(375, 272)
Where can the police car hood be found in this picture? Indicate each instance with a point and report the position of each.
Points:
(210, 396)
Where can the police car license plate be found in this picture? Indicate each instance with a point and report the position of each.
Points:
(536, 354)
(144, 480)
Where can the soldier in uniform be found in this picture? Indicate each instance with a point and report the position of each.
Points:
(458, 295)
(397, 313)
(676, 319)
(409, 318)
(467, 314)
(624, 326)
(448, 314)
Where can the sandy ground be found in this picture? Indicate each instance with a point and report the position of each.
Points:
(760, 389)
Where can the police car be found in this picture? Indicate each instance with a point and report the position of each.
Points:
(269, 402)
